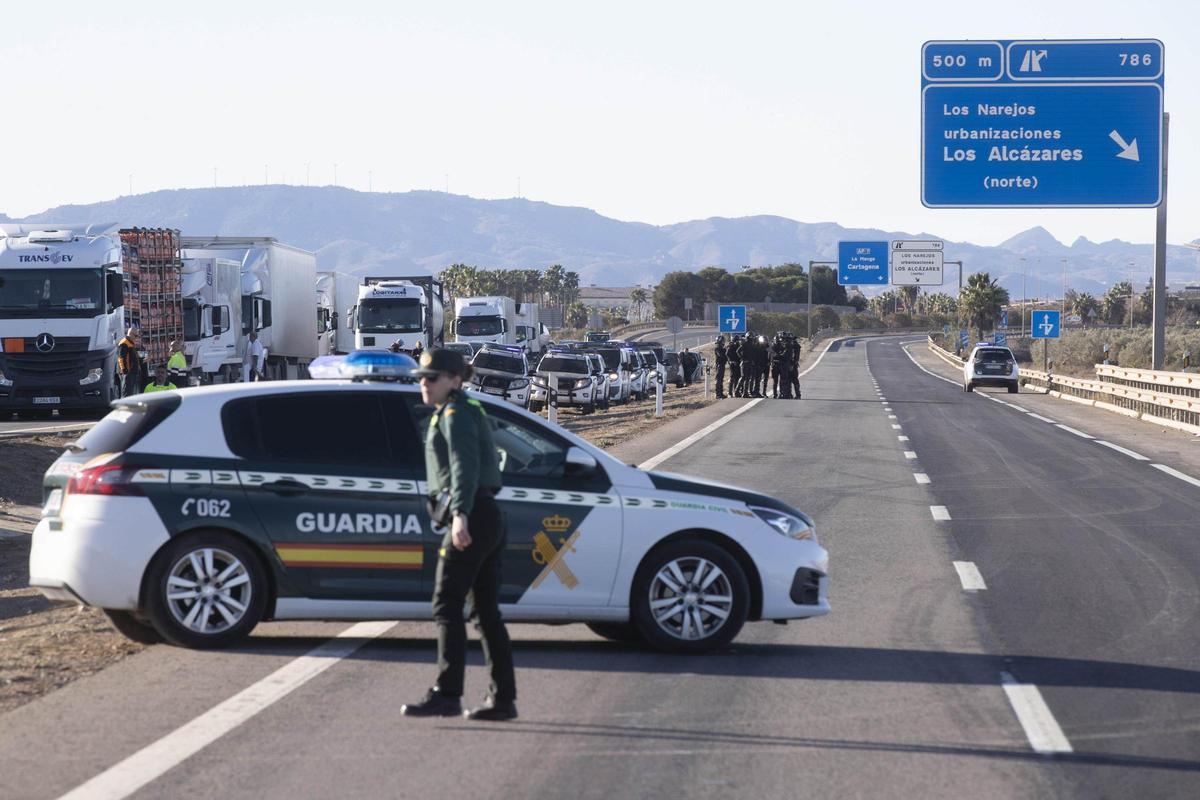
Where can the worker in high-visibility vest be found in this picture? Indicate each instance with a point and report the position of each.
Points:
(177, 365)
(129, 364)
(160, 383)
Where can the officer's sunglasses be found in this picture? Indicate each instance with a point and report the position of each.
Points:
(433, 378)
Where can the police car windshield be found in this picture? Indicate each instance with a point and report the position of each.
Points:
(611, 356)
(559, 364)
(487, 359)
(386, 315)
(51, 292)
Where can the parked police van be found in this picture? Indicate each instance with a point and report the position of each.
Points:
(190, 516)
(503, 371)
(575, 374)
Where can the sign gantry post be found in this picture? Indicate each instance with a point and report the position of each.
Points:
(812, 264)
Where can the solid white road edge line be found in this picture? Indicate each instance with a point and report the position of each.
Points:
(1022, 409)
(1041, 729)
(126, 777)
(927, 372)
(1174, 473)
(1119, 449)
(1079, 433)
(679, 447)
(969, 575)
(1043, 419)
(921, 477)
(940, 513)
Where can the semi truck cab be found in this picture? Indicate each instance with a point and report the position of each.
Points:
(61, 317)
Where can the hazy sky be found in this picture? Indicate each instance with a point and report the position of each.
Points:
(650, 111)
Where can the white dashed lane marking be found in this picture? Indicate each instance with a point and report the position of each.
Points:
(968, 574)
(1041, 729)
(910, 454)
(921, 477)
(902, 438)
(895, 427)
(940, 513)
(1119, 449)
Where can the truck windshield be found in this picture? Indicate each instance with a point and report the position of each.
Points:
(478, 326)
(501, 363)
(51, 292)
(388, 315)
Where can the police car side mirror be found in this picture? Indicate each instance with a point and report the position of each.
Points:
(579, 464)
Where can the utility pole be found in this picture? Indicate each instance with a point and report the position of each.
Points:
(812, 264)
(1063, 312)
(131, 184)
(307, 171)
(1023, 312)
(959, 263)
(369, 184)
(214, 177)
(335, 183)
(1158, 350)
(1130, 295)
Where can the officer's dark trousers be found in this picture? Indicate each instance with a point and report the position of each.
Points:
(131, 384)
(720, 379)
(735, 379)
(474, 571)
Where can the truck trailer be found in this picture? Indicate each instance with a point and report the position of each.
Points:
(276, 296)
(337, 293)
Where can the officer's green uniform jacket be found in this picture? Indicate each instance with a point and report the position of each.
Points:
(178, 362)
(459, 452)
(160, 387)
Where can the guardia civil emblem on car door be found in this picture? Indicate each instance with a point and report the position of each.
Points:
(551, 557)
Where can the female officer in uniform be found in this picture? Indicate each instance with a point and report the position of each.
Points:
(463, 475)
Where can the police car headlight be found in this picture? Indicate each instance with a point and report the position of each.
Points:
(92, 376)
(4, 381)
(614, 377)
(583, 383)
(518, 384)
(791, 526)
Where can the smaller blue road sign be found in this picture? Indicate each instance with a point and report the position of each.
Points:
(1046, 324)
(1004, 318)
(863, 263)
(963, 338)
(731, 319)
(1000, 340)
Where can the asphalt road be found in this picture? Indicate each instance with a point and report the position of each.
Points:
(10, 426)
(1090, 606)
(688, 337)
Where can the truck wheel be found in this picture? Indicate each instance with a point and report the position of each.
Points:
(206, 590)
(132, 627)
(690, 596)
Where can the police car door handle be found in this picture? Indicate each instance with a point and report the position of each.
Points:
(286, 488)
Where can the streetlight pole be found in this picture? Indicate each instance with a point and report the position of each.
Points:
(812, 264)
(1064, 294)
(1023, 314)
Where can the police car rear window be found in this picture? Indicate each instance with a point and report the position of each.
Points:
(128, 423)
(993, 356)
(325, 428)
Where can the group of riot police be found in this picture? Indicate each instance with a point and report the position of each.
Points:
(752, 363)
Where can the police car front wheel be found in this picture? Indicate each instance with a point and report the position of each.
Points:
(690, 596)
(207, 589)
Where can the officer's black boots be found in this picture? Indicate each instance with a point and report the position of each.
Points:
(492, 711)
(435, 704)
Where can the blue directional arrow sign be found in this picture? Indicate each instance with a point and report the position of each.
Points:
(862, 263)
(1037, 124)
(1046, 324)
(731, 319)
(963, 338)
(1004, 318)
(1000, 340)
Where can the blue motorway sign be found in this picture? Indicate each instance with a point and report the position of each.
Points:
(1035, 124)
(731, 319)
(1004, 318)
(963, 338)
(1046, 324)
(999, 339)
(862, 263)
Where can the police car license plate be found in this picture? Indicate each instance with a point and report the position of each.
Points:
(492, 390)
(53, 503)
(47, 401)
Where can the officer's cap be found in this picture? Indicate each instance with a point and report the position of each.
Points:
(439, 360)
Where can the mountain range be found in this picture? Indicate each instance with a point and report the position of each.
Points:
(422, 232)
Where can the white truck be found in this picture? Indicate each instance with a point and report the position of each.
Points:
(337, 292)
(405, 311)
(212, 317)
(61, 317)
(276, 295)
(500, 320)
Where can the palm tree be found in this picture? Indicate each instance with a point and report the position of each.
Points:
(981, 301)
(638, 301)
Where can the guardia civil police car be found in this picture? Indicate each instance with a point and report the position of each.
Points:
(190, 516)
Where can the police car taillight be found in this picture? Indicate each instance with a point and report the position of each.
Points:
(108, 479)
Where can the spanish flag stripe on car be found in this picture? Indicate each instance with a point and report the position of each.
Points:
(344, 555)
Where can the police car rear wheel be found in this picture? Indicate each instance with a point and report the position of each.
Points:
(207, 590)
(690, 596)
(133, 627)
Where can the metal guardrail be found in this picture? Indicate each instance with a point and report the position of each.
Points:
(1165, 398)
